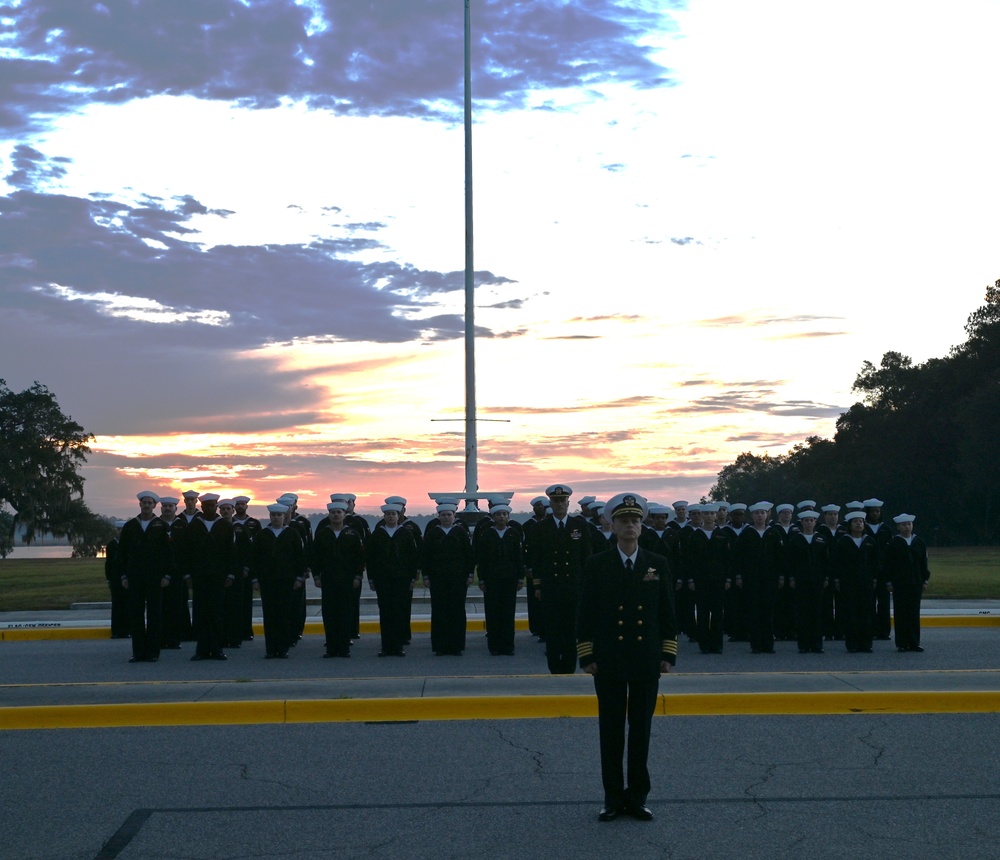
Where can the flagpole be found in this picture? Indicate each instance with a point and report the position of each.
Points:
(471, 452)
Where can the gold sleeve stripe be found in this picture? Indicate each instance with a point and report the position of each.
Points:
(669, 646)
(584, 648)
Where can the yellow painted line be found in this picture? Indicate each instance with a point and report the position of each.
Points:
(854, 702)
(960, 621)
(421, 625)
(486, 708)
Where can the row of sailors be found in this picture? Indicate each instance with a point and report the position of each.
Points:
(794, 572)
(223, 555)
(759, 587)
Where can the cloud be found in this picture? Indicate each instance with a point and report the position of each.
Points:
(757, 399)
(404, 58)
(687, 240)
(807, 335)
(622, 403)
(114, 268)
(752, 320)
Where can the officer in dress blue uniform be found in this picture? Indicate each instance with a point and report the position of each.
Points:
(627, 637)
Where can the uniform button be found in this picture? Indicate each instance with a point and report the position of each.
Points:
(640, 639)
(620, 638)
(620, 623)
(640, 623)
(620, 608)
(640, 607)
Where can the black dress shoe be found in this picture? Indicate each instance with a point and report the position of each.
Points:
(218, 655)
(198, 657)
(283, 655)
(383, 653)
(140, 660)
(270, 655)
(640, 812)
(609, 813)
(917, 648)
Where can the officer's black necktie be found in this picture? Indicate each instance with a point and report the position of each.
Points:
(562, 525)
(628, 565)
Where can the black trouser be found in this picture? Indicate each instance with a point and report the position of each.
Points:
(119, 608)
(882, 618)
(176, 614)
(855, 598)
(617, 701)
(448, 619)
(394, 594)
(145, 613)
(209, 591)
(276, 604)
(246, 612)
(338, 613)
(760, 615)
(233, 612)
(907, 599)
(809, 615)
(560, 633)
(711, 601)
(500, 605)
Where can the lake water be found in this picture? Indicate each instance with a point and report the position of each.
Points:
(32, 551)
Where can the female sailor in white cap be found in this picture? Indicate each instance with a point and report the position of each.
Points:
(907, 570)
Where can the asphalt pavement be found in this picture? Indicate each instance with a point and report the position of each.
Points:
(786, 756)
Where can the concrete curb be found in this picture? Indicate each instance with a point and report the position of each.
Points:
(19, 631)
(485, 708)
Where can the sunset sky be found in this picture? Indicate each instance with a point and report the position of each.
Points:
(232, 237)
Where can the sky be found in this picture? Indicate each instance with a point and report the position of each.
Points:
(232, 233)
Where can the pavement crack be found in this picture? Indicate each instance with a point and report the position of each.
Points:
(536, 755)
(877, 749)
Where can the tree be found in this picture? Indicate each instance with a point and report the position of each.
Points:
(41, 451)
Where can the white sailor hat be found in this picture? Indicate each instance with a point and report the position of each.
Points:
(395, 500)
(722, 503)
(854, 506)
(337, 506)
(830, 509)
(807, 503)
(760, 506)
(190, 494)
(853, 515)
(659, 509)
(739, 506)
(587, 500)
(559, 491)
(170, 500)
(873, 503)
(904, 518)
(784, 507)
(496, 509)
(147, 494)
(808, 514)
(241, 499)
(446, 506)
(209, 497)
(625, 503)
(695, 508)
(391, 506)
(680, 504)
(709, 508)
(598, 507)
(539, 500)
(288, 499)
(277, 508)
(226, 502)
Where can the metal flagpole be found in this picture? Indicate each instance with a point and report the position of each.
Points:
(471, 464)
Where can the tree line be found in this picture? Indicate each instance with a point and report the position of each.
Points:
(923, 438)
